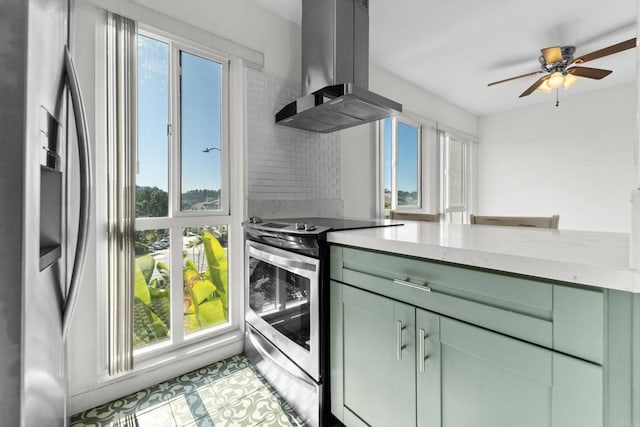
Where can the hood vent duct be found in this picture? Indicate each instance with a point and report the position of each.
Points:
(335, 70)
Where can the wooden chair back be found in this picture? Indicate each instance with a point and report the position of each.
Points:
(416, 216)
(518, 221)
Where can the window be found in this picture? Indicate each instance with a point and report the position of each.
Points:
(170, 145)
(402, 154)
(181, 285)
(424, 167)
(455, 184)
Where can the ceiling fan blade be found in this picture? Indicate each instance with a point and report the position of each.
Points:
(618, 47)
(534, 86)
(514, 78)
(552, 54)
(590, 73)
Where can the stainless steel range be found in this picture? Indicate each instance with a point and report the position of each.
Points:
(287, 310)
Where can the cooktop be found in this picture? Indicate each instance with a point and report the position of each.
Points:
(315, 225)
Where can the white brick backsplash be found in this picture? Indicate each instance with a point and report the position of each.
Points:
(286, 163)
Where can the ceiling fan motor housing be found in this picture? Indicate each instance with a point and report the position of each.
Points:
(567, 57)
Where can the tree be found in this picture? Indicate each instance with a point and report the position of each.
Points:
(151, 202)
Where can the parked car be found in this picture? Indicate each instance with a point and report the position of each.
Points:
(157, 246)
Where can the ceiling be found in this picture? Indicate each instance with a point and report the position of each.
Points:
(454, 48)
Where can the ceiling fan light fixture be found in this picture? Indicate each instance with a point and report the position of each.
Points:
(570, 80)
(544, 87)
(555, 80)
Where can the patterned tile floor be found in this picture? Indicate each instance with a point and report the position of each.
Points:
(227, 393)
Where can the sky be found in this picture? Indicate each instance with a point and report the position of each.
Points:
(200, 105)
(407, 157)
(407, 162)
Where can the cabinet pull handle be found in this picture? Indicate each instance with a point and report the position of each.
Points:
(421, 350)
(411, 285)
(399, 346)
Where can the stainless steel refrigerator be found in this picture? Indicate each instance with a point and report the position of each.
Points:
(44, 202)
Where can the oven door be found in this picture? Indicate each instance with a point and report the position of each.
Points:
(283, 302)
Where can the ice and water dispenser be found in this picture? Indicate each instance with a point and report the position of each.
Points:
(51, 189)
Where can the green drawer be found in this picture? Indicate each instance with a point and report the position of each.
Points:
(565, 318)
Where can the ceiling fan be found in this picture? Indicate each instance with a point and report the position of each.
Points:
(562, 68)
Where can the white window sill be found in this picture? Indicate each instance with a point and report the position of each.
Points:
(162, 355)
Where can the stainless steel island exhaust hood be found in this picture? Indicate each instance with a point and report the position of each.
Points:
(335, 70)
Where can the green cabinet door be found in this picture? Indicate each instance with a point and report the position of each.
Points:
(428, 369)
(395, 365)
(378, 347)
(491, 380)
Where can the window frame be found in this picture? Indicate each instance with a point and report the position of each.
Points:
(224, 339)
(432, 168)
(395, 120)
(177, 220)
(176, 131)
(444, 139)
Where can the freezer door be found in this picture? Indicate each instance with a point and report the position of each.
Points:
(44, 379)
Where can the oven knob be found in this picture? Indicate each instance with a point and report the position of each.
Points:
(309, 227)
(300, 226)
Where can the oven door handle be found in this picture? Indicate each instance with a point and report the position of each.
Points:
(284, 262)
(264, 353)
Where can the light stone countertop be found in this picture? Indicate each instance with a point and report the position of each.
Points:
(582, 257)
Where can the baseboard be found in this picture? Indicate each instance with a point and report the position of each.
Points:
(135, 381)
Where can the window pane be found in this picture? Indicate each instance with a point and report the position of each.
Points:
(388, 123)
(456, 217)
(151, 310)
(407, 164)
(456, 177)
(206, 298)
(152, 176)
(201, 100)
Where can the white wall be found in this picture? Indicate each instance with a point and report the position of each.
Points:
(421, 102)
(358, 171)
(286, 163)
(575, 160)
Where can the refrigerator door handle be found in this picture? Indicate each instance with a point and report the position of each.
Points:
(85, 190)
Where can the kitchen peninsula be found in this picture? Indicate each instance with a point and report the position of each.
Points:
(452, 325)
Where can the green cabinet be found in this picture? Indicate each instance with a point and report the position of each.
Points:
(378, 338)
(413, 356)
(488, 379)
(405, 366)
